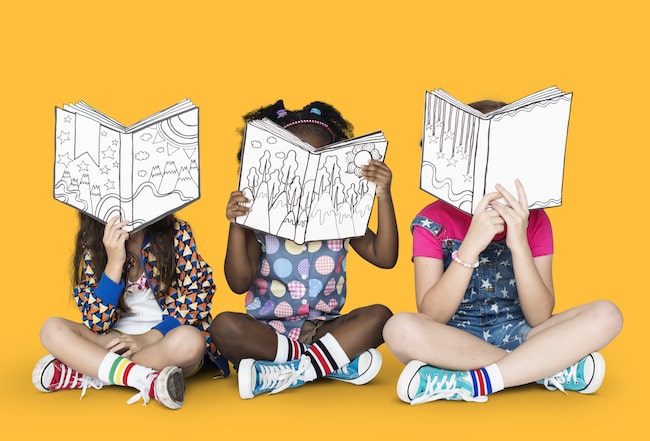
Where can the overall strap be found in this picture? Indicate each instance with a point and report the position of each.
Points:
(436, 229)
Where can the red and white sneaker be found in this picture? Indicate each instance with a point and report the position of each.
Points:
(167, 387)
(50, 375)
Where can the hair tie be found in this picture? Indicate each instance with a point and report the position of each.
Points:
(316, 111)
(281, 113)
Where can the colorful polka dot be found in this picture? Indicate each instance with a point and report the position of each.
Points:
(324, 265)
(315, 287)
(282, 267)
(272, 244)
(294, 248)
(278, 289)
(297, 289)
(312, 247)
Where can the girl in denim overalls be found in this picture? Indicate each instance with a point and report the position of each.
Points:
(484, 293)
(293, 331)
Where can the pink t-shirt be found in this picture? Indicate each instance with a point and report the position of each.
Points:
(456, 224)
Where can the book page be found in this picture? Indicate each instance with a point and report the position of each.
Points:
(450, 142)
(272, 175)
(87, 165)
(342, 200)
(529, 144)
(165, 167)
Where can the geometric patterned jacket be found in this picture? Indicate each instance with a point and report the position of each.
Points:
(186, 302)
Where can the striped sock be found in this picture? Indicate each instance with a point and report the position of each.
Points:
(288, 349)
(487, 380)
(123, 372)
(327, 355)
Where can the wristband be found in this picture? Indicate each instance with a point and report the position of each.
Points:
(461, 262)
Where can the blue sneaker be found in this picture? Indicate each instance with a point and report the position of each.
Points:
(360, 370)
(257, 377)
(421, 383)
(585, 376)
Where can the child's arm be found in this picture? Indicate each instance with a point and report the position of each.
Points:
(243, 252)
(380, 249)
(438, 293)
(97, 295)
(533, 276)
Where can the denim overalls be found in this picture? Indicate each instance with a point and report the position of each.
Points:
(490, 308)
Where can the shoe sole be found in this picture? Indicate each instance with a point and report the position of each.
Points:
(405, 378)
(245, 378)
(37, 373)
(599, 374)
(170, 387)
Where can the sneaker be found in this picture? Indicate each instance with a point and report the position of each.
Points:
(258, 376)
(419, 383)
(360, 370)
(585, 376)
(168, 388)
(50, 375)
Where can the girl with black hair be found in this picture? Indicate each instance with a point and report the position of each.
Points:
(294, 331)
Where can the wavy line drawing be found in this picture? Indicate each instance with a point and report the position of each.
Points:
(95, 162)
(465, 153)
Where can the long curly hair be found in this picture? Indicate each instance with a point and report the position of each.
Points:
(89, 238)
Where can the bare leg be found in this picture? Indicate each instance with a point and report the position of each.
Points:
(412, 336)
(561, 341)
(83, 350)
(240, 336)
(555, 345)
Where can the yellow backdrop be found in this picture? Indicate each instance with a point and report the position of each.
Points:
(373, 60)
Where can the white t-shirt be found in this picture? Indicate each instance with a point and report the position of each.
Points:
(144, 310)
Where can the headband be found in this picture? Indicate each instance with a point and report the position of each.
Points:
(311, 121)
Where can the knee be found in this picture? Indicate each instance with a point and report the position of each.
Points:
(608, 317)
(226, 326)
(379, 315)
(398, 328)
(51, 330)
(186, 343)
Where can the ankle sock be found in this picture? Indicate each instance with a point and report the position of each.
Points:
(288, 349)
(487, 380)
(123, 372)
(326, 356)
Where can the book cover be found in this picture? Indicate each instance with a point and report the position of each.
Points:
(465, 152)
(302, 193)
(142, 172)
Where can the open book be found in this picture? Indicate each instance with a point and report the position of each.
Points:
(142, 172)
(304, 194)
(465, 152)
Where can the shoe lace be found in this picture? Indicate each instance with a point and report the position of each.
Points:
(444, 388)
(144, 389)
(278, 377)
(70, 378)
(558, 380)
(87, 382)
(343, 370)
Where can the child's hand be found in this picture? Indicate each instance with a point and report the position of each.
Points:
(114, 239)
(486, 223)
(235, 207)
(515, 215)
(378, 173)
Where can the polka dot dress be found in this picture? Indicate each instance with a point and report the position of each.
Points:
(295, 282)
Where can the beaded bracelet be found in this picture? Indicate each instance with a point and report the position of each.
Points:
(460, 261)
